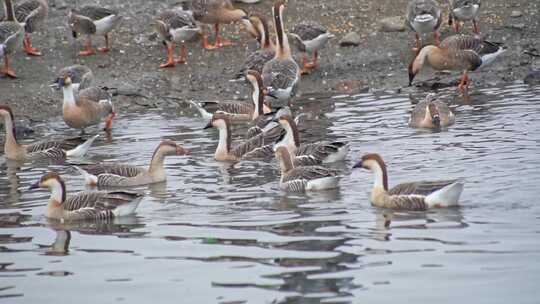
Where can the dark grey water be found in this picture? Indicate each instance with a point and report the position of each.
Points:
(217, 233)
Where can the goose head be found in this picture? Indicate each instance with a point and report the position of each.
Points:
(54, 183)
(169, 147)
(63, 81)
(218, 121)
(374, 163)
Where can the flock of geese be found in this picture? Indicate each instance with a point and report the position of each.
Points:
(273, 76)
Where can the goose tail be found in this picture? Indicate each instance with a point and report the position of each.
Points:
(205, 114)
(89, 179)
(447, 196)
(128, 208)
(81, 149)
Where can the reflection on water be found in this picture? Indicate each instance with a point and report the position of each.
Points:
(216, 234)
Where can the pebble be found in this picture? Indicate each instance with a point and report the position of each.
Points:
(351, 39)
(516, 14)
(392, 24)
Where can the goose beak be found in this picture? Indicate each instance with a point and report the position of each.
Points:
(411, 77)
(358, 165)
(34, 186)
(182, 151)
(436, 121)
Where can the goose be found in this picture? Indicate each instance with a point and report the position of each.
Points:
(176, 26)
(122, 175)
(93, 20)
(31, 13)
(303, 178)
(458, 52)
(250, 149)
(281, 75)
(310, 37)
(312, 153)
(52, 149)
(257, 25)
(87, 108)
(11, 36)
(81, 77)
(239, 111)
(431, 114)
(416, 196)
(464, 10)
(424, 17)
(216, 12)
(86, 205)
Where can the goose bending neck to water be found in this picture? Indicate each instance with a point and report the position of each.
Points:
(408, 196)
(431, 114)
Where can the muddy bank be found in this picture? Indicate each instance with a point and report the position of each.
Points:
(378, 63)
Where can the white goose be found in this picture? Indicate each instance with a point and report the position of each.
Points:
(409, 196)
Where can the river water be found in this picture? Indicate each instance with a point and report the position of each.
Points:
(222, 233)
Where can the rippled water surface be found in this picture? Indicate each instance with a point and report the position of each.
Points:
(218, 233)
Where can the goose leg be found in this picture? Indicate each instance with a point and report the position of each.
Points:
(221, 42)
(476, 28)
(310, 66)
(107, 45)
(206, 45)
(418, 44)
(109, 121)
(7, 70)
(87, 48)
(183, 55)
(437, 37)
(27, 43)
(456, 26)
(464, 86)
(170, 54)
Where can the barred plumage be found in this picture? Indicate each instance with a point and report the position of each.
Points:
(32, 13)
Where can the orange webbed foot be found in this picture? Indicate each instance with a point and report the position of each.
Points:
(9, 73)
(104, 49)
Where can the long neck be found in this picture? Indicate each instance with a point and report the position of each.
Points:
(283, 49)
(69, 96)
(258, 98)
(266, 42)
(11, 139)
(10, 16)
(156, 164)
(285, 161)
(292, 137)
(224, 144)
(58, 193)
(380, 177)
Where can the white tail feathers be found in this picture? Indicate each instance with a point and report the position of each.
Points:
(128, 208)
(445, 197)
(89, 179)
(205, 114)
(81, 149)
(340, 155)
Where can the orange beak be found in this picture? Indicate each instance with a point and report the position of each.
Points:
(182, 151)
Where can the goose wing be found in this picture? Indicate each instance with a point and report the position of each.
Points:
(308, 30)
(255, 61)
(96, 12)
(407, 202)
(30, 13)
(64, 144)
(9, 31)
(309, 173)
(320, 150)
(280, 74)
(114, 169)
(422, 188)
(97, 205)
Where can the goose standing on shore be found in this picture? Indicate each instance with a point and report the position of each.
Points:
(31, 13)
(11, 36)
(431, 114)
(176, 26)
(416, 196)
(122, 175)
(216, 12)
(93, 20)
(86, 109)
(281, 75)
(464, 10)
(53, 149)
(310, 37)
(424, 17)
(459, 52)
(86, 205)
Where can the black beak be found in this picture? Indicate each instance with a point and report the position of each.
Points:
(208, 125)
(74, 34)
(271, 93)
(358, 165)
(34, 186)
(411, 77)
(437, 121)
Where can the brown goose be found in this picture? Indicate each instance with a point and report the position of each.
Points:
(431, 114)
(93, 20)
(88, 108)
(87, 205)
(52, 149)
(11, 36)
(31, 13)
(216, 12)
(122, 175)
(459, 52)
(409, 196)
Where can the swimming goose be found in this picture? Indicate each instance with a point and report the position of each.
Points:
(424, 17)
(239, 111)
(464, 10)
(312, 153)
(121, 175)
(31, 13)
(409, 196)
(251, 148)
(303, 178)
(11, 36)
(81, 77)
(431, 114)
(86, 205)
(53, 149)
(459, 52)
(281, 75)
(258, 26)
(176, 26)
(88, 107)
(93, 20)
(216, 12)
(310, 37)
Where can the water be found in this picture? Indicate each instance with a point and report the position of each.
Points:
(216, 234)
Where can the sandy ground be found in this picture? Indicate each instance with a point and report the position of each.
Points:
(380, 62)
